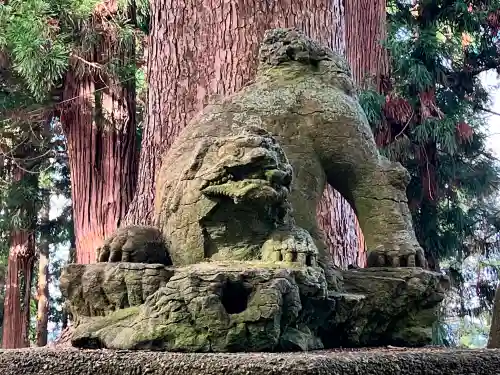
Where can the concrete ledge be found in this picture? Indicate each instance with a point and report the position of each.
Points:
(433, 361)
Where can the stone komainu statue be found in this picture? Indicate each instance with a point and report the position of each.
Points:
(304, 97)
(235, 212)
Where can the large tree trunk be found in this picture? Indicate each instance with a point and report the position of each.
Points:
(366, 29)
(204, 48)
(494, 339)
(342, 231)
(100, 128)
(16, 317)
(42, 318)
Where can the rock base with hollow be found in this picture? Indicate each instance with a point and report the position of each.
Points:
(231, 307)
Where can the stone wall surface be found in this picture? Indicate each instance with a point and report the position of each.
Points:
(367, 362)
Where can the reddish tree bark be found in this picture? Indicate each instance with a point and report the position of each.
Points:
(342, 230)
(366, 29)
(3, 274)
(42, 318)
(16, 317)
(494, 337)
(198, 49)
(100, 128)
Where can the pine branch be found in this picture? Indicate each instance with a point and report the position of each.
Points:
(494, 63)
(91, 64)
(481, 108)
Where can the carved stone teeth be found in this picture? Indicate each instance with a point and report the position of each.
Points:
(216, 190)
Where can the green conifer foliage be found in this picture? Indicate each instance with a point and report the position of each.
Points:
(432, 118)
(39, 40)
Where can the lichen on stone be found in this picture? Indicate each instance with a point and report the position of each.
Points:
(256, 306)
(213, 308)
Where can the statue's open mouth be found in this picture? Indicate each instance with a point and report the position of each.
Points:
(256, 183)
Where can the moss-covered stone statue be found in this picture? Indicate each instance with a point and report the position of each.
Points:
(304, 97)
(219, 198)
(235, 260)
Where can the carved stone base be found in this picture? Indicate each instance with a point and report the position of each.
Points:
(101, 288)
(228, 307)
(386, 306)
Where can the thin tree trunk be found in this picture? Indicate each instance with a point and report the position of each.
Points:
(100, 128)
(494, 339)
(16, 317)
(11, 336)
(3, 272)
(64, 337)
(71, 259)
(42, 318)
(204, 48)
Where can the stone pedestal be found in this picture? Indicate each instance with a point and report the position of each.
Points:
(230, 307)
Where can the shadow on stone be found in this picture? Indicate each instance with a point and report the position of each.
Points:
(89, 343)
(234, 296)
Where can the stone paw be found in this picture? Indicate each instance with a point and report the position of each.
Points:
(134, 244)
(291, 246)
(397, 257)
